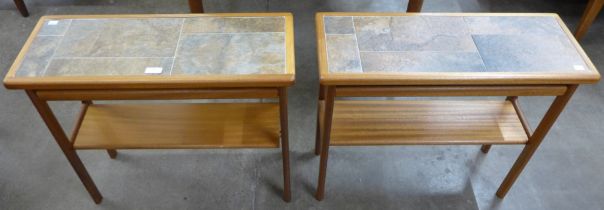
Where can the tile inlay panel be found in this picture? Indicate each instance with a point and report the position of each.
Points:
(441, 43)
(157, 46)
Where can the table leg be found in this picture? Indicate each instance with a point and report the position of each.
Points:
(415, 5)
(196, 6)
(590, 14)
(21, 7)
(328, 116)
(318, 131)
(61, 139)
(284, 143)
(112, 153)
(531, 146)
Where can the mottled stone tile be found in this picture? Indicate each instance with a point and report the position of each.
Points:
(421, 61)
(405, 33)
(121, 38)
(522, 53)
(342, 54)
(54, 27)
(251, 53)
(234, 24)
(38, 55)
(106, 66)
(539, 25)
(338, 25)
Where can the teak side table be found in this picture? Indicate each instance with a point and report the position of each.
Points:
(163, 57)
(433, 55)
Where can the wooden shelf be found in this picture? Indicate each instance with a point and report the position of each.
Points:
(158, 126)
(425, 122)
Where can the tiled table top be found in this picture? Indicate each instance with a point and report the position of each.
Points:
(158, 46)
(445, 44)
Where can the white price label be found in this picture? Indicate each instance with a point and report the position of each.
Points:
(579, 67)
(53, 22)
(153, 70)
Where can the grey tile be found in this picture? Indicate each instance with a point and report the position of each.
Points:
(106, 66)
(338, 25)
(546, 26)
(37, 57)
(121, 38)
(54, 27)
(529, 53)
(234, 24)
(342, 54)
(255, 53)
(413, 33)
(421, 61)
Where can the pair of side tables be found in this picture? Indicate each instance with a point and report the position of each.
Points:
(251, 55)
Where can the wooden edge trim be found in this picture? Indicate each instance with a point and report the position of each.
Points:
(247, 14)
(321, 46)
(414, 91)
(233, 93)
(429, 14)
(523, 121)
(78, 124)
(290, 45)
(149, 82)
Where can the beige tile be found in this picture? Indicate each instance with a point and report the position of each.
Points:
(106, 66)
(40, 52)
(342, 54)
(231, 54)
(234, 24)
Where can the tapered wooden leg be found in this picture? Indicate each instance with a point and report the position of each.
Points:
(327, 119)
(196, 6)
(590, 14)
(318, 131)
(61, 139)
(415, 5)
(546, 123)
(21, 7)
(284, 143)
(112, 153)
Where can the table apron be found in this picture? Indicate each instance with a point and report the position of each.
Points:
(158, 94)
(473, 90)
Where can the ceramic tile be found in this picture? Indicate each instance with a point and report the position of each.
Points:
(121, 38)
(342, 53)
(234, 25)
(37, 57)
(523, 53)
(543, 26)
(250, 53)
(421, 61)
(106, 66)
(54, 27)
(407, 33)
(339, 25)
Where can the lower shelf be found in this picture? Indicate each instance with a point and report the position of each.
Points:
(157, 126)
(425, 122)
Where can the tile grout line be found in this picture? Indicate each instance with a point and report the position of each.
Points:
(55, 50)
(182, 24)
(357, 41)
(484, 65)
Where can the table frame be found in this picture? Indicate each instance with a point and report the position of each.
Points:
(40, 100)
(328, 94)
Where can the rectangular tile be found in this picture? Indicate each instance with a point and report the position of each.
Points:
(234, 24)
(339, 25)
(540, 25)
(215, 54)
(54, 27)
(121, 38)
(106, 66)
(422, 61)
(529, 53)
(413, 33)
(343, 54)
(36, 59)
